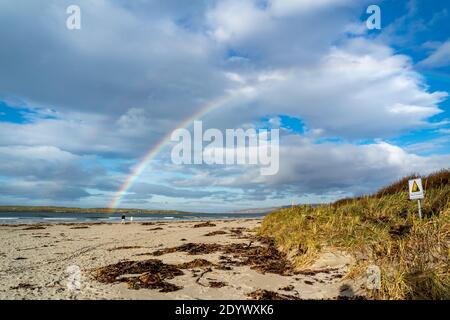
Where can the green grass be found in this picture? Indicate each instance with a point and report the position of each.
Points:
(381, 229)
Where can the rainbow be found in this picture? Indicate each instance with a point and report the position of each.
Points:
(150, 155)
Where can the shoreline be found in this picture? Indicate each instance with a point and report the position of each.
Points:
(40, 223)
(55, 218)
(208, 259)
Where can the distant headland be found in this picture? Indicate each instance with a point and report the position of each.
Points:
(87, 210)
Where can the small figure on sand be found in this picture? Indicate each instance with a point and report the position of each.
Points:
(123, 218)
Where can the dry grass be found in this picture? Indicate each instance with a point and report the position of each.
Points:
(382, 229)
(432, 181)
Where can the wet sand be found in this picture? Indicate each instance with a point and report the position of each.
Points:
(162, 260)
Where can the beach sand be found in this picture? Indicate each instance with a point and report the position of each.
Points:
(42, 262)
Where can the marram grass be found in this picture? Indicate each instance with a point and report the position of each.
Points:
(384, 229)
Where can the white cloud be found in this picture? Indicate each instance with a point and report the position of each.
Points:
(117, 61)
(323, 169)
(38, 173)
(279, 33)
(130, 136)
(439, 58)
(289, 7)
(358, 90)
(235, 19)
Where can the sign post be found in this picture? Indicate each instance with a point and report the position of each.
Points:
(420, 209)
(416, 192)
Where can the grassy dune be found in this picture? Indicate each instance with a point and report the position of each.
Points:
(381, 229)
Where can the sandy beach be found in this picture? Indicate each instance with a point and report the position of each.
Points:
(160, 260)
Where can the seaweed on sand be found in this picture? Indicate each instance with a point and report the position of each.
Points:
(125, 248)
(204, 224)
(238, 232)
(264, 258)
(151, 274)
(147, 223)
(35, 227)
(155, 229)
(270, 295)
(214, 233)
(196, 263)
(190, 248)
(23, 286)
(217, 284)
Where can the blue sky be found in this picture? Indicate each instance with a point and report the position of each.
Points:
(425, 24)
(357, 108)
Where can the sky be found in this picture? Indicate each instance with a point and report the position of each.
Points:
(356, 108)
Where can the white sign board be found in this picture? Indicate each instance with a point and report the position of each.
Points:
(415, 189)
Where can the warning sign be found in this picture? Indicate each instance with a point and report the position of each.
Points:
(415, 189)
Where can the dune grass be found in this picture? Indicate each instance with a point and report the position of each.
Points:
(381, 229)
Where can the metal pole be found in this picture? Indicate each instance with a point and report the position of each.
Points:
(420, 209)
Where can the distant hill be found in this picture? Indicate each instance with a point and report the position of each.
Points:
(86, 210)
(259, 210)
(270, 209)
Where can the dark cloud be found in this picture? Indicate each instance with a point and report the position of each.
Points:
(41, 191)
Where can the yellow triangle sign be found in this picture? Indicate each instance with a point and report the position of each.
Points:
(415, 187)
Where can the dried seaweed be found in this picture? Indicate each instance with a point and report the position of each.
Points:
(217, 284)
(155, 229)
(35, 227)
(270, 295)
(151, 273)
(204, 224)
(287, 288)
(190, 248)
(23, 286)
(215, 233)
(309, 272)
(196, 263)
(148, 223)
(264, 258)
(125, 248)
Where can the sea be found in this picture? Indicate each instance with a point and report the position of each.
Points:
(54, 217)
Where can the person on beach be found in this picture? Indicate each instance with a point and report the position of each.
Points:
(123, 218)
